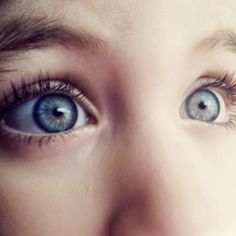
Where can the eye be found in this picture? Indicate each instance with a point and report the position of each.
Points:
(51, 113)
(206, 106)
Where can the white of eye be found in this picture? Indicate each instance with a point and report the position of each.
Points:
(21, 119)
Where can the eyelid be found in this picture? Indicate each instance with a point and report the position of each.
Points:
(23, 141)
(225, 86)
(62, 85)
(24, 144)
(205, 81)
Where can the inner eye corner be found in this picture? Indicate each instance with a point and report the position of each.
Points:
(92, 119)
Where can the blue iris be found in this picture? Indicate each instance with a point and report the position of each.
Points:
(203, 105)
(55, 113)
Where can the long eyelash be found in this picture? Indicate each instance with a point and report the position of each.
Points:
(42, 84)
(227, 83)
(224, 81)
(31, 88)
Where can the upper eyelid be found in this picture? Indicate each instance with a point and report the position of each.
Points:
(205, 81)
(60, 86)
(224, 84)
(225, 77)
(42, 84)
(8, 137)
(225, 80)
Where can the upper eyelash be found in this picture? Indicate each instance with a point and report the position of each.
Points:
(44, 84)
(41, 85)
(31, 88)
(225, 81)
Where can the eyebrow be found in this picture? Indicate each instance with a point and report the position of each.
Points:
(21, 34)
(223, 38)
(31, 33)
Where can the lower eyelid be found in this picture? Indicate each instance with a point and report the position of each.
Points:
(25, 145)
(63, 85)
(208, 132)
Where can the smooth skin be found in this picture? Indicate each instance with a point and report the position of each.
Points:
(144, 169)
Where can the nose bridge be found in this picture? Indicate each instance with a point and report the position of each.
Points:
(156, 184)
(158, 158)
(158, 190)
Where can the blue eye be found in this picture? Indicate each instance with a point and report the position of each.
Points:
(55, 113)
(203, 105)
(50, 113)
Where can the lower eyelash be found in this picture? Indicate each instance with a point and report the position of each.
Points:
(24, 144)
(8, 138)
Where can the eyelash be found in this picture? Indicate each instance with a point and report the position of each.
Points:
(42, 85)
(227, 85)
(45, 84)
(30, 89)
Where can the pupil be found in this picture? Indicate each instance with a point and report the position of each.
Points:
(58, 112)
(202, 106)
(55, 113)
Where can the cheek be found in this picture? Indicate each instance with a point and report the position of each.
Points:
(66, 201)
(130, 186)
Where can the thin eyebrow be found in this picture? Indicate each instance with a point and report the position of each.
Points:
(224, 38)
(31, 33)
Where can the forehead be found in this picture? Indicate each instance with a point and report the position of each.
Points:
(158, 23)
(127, 13)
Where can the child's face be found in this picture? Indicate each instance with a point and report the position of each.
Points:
(148, 149)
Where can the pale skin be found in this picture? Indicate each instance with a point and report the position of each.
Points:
(143, 169)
